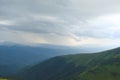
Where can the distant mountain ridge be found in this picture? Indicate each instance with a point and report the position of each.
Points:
(14, 57)
(97, 66)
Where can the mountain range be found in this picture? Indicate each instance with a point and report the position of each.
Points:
(95, 66)
(15, 57)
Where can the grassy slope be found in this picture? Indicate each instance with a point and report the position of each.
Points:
(97, 66)
(3, 79)
(100, 66)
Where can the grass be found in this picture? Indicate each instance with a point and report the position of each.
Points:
(3, 79)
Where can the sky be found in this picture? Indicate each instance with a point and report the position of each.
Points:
(61, 22)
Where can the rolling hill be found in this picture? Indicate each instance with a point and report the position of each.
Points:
(14, 57)
(97, 66)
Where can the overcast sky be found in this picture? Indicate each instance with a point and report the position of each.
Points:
(61, 22)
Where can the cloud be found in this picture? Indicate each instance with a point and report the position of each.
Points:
(6, 22)
(62, 22)
(21, 37)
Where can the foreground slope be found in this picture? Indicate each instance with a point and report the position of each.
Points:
(3, 79)
(98, 66)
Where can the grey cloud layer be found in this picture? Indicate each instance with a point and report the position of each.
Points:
(60, 17)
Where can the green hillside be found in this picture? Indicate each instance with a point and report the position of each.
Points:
(97, 66)
(3, 79)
